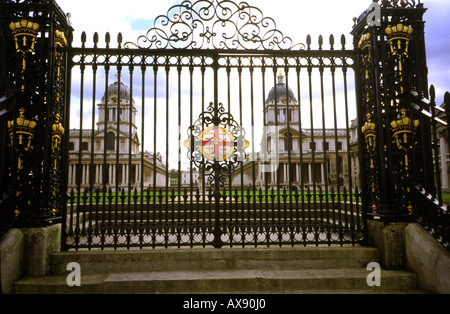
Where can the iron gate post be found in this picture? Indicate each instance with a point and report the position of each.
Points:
(392, 63)
(33, 36)
(217, 243)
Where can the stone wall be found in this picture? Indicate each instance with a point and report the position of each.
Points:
(428, 259)
(408, 246)
(26, 253)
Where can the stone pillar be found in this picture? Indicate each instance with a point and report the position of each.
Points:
(390, 240)
(39, 244)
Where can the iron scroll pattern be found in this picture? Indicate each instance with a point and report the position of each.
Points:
(214, 24)
(216, 169)
(399, 3)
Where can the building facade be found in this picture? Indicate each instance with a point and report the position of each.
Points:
(290, 156)
(110, 156)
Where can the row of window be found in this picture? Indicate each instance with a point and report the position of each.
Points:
(312, 145)
(110, 143)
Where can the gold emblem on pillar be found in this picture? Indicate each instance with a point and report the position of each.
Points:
(23, 129)
(21, 133)
(365, 45)
(60, 42)
(24, 33)
(398, 40)
(57, 133)
(402, 132)
(370, 137)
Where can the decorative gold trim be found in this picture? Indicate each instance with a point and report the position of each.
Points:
(26, 29)
(398, 40)
(22, 131)
(24, 33)
(60, 39)
(402, 129)
(399, 32)
(364, 42)
(24, 128)
(57, 132)
(370, 137)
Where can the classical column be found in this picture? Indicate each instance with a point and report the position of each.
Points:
(285, 174)
(322, 170)
(137, 174)
(310, 173)
(70, 175)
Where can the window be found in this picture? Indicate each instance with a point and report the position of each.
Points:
(339, 145)
(312, 145)
(339, 164)
(326, 146)
(84, 146)
(71, 146)
(109, 143)
(288, 141)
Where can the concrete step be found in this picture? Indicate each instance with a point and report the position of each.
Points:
(161, 260)
(344, 280)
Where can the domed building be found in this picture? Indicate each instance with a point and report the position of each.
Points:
(116, 141)
(289, 155)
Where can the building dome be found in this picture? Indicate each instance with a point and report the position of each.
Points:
(280, 89)
(113, 93)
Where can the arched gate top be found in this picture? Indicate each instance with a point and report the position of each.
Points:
(214, 24)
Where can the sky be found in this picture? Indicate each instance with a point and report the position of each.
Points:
(294, 18)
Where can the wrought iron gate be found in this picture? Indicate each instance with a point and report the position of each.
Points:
(217, 130)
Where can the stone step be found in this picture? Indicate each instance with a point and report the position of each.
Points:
(343, 280)
(332, 269)
(165, 260)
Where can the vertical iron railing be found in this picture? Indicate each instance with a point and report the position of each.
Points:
(300, 189)
(430, 208)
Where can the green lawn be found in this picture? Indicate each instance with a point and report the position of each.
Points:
(445, 198)
(162, 196)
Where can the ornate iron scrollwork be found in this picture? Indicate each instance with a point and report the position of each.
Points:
(216, 144)
(399, 3)
(217, 24)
